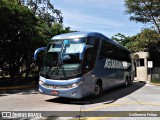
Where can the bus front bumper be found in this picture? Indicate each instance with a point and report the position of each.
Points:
(75, 92)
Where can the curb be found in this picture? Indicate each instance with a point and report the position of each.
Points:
(17, 87)
(156, 84)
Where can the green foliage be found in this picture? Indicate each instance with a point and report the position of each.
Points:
(145, 11)
(57, 29)
(23, 31)
(146, 40)
(120, 38)
(44, 9)
(17, 28)
(155, 81)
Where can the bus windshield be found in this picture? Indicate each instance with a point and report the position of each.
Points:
(62, 59)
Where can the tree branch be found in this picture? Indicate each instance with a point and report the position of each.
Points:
(151, 13)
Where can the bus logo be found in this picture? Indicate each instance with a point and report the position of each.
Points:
(111, 63)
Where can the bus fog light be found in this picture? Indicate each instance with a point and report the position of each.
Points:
(73, 93)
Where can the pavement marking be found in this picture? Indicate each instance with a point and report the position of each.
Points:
(97, 118)
(101, 106)
(113, 105)
(109, 105)
(148, 103)
(90, 118)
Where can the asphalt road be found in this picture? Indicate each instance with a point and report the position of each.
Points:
(136, 101)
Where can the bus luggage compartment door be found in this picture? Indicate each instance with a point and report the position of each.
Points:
(88, 83)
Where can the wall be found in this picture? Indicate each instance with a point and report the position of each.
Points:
(141, 71)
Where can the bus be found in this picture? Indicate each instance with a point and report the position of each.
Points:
(79, 64)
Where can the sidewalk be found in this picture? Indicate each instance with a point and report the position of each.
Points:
(7, 85)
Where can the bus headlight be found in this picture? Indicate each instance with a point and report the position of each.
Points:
(41, 82)
(75, 84)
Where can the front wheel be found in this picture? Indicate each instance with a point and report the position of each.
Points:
(97, 89)
(126, 82)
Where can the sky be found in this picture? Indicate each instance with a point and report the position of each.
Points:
(103, 16)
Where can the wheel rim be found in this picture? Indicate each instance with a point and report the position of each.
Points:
(97, 90)
(126, 82)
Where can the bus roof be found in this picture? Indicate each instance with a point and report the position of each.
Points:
(74, 35)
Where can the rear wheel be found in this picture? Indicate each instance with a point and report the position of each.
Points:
(97, 89)
(130, 81)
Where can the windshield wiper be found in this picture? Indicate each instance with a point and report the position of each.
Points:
(60, 62)
(60, 65)
(56, 64)
(49, 71)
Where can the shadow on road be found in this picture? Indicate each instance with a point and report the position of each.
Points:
(107, 97)
(19, 91)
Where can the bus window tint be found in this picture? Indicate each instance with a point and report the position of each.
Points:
(109, 50)
(87, 61)
(90, 55)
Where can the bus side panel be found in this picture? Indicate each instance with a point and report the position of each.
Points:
(88, 84)
(110, 76)
(106, 75)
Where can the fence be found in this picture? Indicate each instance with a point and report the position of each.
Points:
(155, 73)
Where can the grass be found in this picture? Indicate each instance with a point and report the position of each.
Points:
(155, 81)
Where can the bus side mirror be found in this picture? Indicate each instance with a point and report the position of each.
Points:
(37, 51)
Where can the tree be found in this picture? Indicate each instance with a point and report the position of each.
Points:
(145, 11)
(57, 29)
(17, 28)
(121, 38)
(147, 40)
(43, 9)
(22, 32)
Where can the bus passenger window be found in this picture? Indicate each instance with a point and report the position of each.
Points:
(106, 50)
(88, 61)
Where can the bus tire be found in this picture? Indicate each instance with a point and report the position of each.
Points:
(130, 81)
(97, 89)
(126, 82)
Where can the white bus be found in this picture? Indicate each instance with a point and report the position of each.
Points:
(83, 63)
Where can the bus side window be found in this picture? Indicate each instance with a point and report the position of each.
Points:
(107, 50)
(91, 54)
(95, 42)
(121, 54)
(87, 61)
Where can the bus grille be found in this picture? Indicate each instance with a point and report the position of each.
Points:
(55, 86)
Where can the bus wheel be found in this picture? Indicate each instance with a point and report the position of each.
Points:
(126, 82)
(130, 81)
(97, 89)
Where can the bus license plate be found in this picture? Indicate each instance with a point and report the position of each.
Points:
(54, 92)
